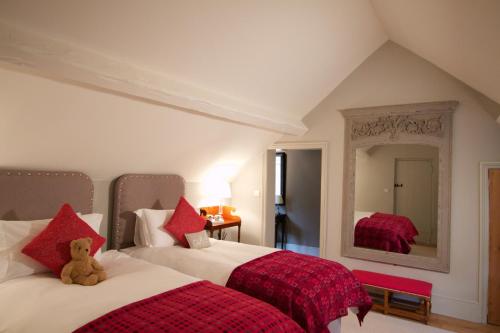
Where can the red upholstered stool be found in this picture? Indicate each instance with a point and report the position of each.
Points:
(393, 287)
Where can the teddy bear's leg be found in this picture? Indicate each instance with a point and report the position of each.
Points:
(101, 275)
(66, 280)
(66, 273)
(86, 280)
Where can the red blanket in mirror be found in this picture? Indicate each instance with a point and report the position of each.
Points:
(387, 232)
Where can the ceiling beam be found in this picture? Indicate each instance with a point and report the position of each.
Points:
(60, 60)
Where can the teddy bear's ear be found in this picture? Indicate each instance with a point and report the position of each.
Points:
(89, 239)
(73, 242)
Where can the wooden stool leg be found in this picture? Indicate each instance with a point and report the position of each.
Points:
(427, 310)
(386, 301)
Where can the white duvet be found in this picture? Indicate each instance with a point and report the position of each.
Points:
(42, 303)
(214, 263)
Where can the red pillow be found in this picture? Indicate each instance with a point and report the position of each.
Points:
(185, 220)
(51, 246)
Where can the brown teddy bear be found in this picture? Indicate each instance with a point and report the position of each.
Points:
(82, 269)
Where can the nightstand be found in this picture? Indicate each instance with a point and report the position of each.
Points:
(230, 221)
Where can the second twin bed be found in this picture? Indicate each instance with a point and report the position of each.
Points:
(315, 292)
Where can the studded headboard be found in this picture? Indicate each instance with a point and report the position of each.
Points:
(135, 191)
(32, 195)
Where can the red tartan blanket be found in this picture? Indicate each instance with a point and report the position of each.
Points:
(311, 290)
(388, 234)
(196, 307)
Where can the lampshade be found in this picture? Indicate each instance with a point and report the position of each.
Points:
(217, 189)
(279, 200)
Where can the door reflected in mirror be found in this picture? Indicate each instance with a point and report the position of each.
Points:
(396, 198)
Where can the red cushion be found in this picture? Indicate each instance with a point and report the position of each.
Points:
(185, 220)
(51, 247)
(395, 283)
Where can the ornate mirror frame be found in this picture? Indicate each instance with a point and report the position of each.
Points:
(423, 123)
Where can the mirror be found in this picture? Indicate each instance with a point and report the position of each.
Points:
(396, 206)
(395, 198)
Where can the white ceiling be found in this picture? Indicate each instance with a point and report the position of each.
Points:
(281, 55)
(461, 37)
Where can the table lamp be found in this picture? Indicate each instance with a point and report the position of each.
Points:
(219, 190)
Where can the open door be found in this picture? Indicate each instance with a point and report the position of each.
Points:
(494, 248)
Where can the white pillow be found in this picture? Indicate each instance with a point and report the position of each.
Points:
(150, 223)
(140, 231)
(94, 221)
(198, 240)
(14, 235)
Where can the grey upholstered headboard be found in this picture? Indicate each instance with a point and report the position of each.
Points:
(32, 195)
(135, 191)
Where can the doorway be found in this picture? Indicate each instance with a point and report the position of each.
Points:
(490, 241)
(295, 197)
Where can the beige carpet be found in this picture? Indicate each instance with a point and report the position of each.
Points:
(378, 323)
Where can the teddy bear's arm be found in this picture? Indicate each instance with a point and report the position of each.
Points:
(66, 273)
(96, 265)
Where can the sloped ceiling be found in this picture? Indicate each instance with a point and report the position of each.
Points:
(282, 56)
(266, 61)
(461, 37)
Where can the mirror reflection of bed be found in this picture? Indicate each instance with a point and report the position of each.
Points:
(396, 191)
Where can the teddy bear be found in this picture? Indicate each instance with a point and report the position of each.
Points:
(82, 269)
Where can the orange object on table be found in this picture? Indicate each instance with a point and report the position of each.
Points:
(214, 210)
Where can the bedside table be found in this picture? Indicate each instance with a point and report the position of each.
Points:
(232, 221)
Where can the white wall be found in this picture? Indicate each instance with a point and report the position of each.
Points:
(45, 124)
(393, 75)
(247, 198)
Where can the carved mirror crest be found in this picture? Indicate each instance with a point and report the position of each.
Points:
(397, 168)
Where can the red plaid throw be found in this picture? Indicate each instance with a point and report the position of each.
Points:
(387, 233)
(311, 290)
(196, 307)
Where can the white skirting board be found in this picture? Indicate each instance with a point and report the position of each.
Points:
(463, 309)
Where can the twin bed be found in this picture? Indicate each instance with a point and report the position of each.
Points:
(136, 275)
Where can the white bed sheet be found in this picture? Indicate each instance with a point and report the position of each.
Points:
(214, 263)
(42, 303)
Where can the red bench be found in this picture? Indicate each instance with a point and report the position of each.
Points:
(391, 286)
